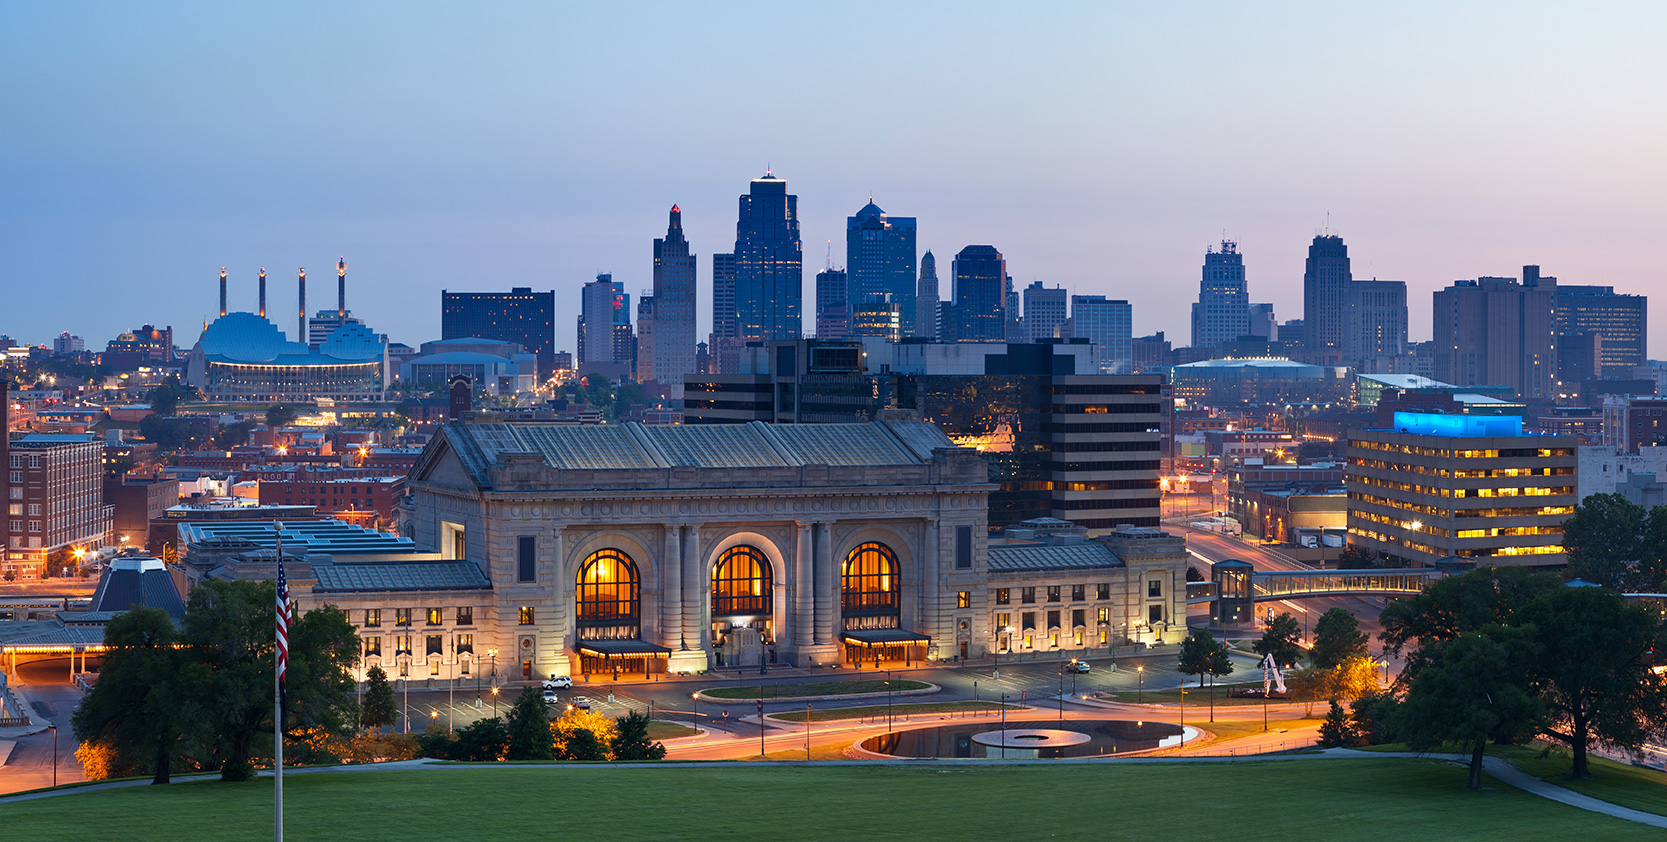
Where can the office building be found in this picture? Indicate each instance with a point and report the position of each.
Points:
(1433, 487)
(67, 343)
(1264, 325)
(928, 308)
(978, 299)
(880, 258)
(673, 311)
(1222, 313)
(55, 502)
(1620, 320)
(1630, 423)
(1277, 383)
(833, 304)
(1045, 311)
(1496, 331)
(877, 316)
(606, 343)
(1325, 283)
(521, 316)
(1108, 325)
(643, 372)
(147, 344)
(769, 262)
(1375, 322)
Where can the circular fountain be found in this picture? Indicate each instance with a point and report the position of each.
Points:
(1027, 739)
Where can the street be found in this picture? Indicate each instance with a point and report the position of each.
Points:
(53, 699)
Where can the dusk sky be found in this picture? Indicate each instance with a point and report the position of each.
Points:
(1098, 146)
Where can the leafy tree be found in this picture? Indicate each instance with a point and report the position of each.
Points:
(436, 743)
(1201, 655)
(1474, 689)
(1351, 679)
(1356, 557)
(233, 435)
(1372, 713)
(578, 732)
(279, 415)
(1282, 639)
(1308, 685)
(1459, 604)
(530, 737)
(137, 710)
(582, 744)
(629, 392)
(1337, 638)
(1592, 670)
(165, 397)
(379, 708)
(1604, 539)
(481, 741)
(632, 742)
(119, 466)
(1338, 730)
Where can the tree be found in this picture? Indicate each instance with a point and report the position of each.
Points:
(165, 397)
(578, 731)
(1372, 714)
(530, 737)
(169, 433)
(1356, 557)
(379, 708)
(1201, 655)
(1473, 690)
(1592, 670)
(1351, 679)
(631, 742)
(233, 435)
(583, 744)
(279, 415)
(481, 741)
(1282, 639)
(1337, 638)
(1338, 730)
(1458, 604)
(136, 710)
(1604, 538)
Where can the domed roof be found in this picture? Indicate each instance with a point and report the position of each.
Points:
(869, 210)
(246, 337)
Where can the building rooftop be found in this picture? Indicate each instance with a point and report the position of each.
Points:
(368, 576)
(1457, 426)
(138, 581)
(1025, 558)
(332, 537)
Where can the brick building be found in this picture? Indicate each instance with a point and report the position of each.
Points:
(367, 501)
(55, 502)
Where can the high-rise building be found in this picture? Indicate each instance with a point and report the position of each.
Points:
(877, 316)
(1045, 311)
(1222, 313)
(1015, 331)
(769, 262)
(880, 258)
(521, 316)
(1376, 321)
(1325, 282)
(673, 310)
(927, 305)
(1264, 324)
(1109, 326)
(605, 309)
(645, 371)
(1497, 332)
(1621, 320)
(67, 343)
(56, 499)
(833, 303)
(723, 297)
(978, 301)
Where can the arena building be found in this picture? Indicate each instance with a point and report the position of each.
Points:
(244, 357)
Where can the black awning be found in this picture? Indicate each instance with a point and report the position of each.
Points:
(621, 648)
(882, 637)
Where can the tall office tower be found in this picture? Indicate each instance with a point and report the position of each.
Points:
(673, 314)
(1619, 319)
(833, 304)
(1015, 331)
(723, 297)
(603, 306)
(978, 299)
(1325, 282)
(1263, 324)
(643, 369)
(769, 262)
(1376, 321)
(1109, 327)
(1495, 331)
(880, 258)
(521, 316)
(1222, 313)
(926, 299)
(1044, 311)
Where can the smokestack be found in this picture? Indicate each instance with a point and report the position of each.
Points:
(222, 290)
(263, 292)
(341, 291)
(302, 294)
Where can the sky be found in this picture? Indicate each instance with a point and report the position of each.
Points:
(1099, 146)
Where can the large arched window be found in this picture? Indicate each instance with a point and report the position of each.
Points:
(741, 583)
(608, 589)
(871, 586)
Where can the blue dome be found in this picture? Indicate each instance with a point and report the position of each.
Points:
(246, 337)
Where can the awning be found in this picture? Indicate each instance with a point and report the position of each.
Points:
(621, 648)
(883, 637)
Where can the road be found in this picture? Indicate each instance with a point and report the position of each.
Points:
(53, 699)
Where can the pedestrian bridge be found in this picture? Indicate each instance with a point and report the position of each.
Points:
(1270, 585)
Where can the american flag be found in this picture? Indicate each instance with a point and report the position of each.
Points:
(283, 621)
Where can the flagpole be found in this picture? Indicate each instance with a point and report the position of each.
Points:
(278, 690)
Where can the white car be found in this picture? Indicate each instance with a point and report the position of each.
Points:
(1077, 666)
(558, 682)
(549, 696)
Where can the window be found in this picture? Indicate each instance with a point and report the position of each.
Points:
(435, 617)
(17, 476)
(526, 558)
(1154, 588)
(402, 616)
(1076, 637)
(17, 526)
(1029, 641)
(1103, 615)
(404, 669)
(526, 670)
(434, 667)
(17, 460)
(373, 618)
(464, 670)
(1077, 616)
(870, 582)
(741, 583)
(1102, 591)
(963, 599)
(402, 644)
(373, 646)
(16, 509)
(1078, 593)
(16, 492)
(34, 461)
(464, 643)
(608, 589)
(1053, 619)
(1002, 622)
(34, 526)
(1029, 620)
(963, 548)
(526, 615)
(465, 615)
(1004, 596)
(1027, 595)
(1154, 614)
(436, 645)
(1053, 640)
(1102, 637)
(1053, 593)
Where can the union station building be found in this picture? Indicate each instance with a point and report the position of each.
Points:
(632, 549)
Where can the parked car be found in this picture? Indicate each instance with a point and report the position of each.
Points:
(549, 696)
(558, 682)
(1077, 666)
(579, 702)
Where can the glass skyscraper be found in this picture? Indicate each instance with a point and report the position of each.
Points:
(1222, 313)
(1325, 298)
(1109, 326)
(880, 258)
(520, 315)
(769, 263)
(674, 305)
(978, 311)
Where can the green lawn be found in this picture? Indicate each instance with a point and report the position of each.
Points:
(1365, 800)
(820, 688)
(1620, 783)
(899, 709)
(660, 730)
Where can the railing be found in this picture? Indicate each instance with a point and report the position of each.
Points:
(1274, 585)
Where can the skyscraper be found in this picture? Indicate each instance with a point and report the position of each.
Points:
(880, 258)
(673, 312)
(1044, 311)
(1325, 282)
(1495, 331)
(769, 262)
(1222, 313)
(1109, 326)
(926, 299)
(643, 371)
(833, 304)
(1375, 321)
(1620, 319)
(522, 316)
(723, 297)
(978, 309)
(604, 309)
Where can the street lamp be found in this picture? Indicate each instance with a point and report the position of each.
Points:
(1140, 686)
(494, 703)
(694, 699)
(54, 754)
(888, 701)
(1001, 633)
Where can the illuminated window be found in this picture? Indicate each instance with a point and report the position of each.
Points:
(525, 615)
(1053, 593)
(402, 616)
(1077, 637)
(741, 583)
(373, 618)
(373, 646)
(1004, 596)
(1053, 640)
(434, 617)
(870, 582)
(608, 589)
(963, 599)
(464, 643)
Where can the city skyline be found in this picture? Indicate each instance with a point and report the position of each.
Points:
(394, 165)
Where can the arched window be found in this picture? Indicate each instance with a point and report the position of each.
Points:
(871, 585)
(608, 589)
(741, 583)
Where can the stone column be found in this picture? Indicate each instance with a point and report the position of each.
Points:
(827, 588)
(931, 587)
(671, 592)
(693, 659)
(804, 589)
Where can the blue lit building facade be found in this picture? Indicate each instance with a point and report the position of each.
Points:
(769, 263)
(880, 257)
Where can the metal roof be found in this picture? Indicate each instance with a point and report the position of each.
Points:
(1021, 558)
(331, 537)
(372, 576)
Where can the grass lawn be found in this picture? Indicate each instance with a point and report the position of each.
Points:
(1235, 730)
(660, 730)
(820, 688)
(834, 714)
(1389, 799)
(1619, 783)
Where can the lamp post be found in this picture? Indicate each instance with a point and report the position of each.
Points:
(477, 683)
(888, 701)
(1061, 695)
(694, 699)
(1140, 686)
(54, 755)
(494, 703)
